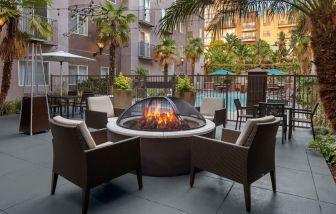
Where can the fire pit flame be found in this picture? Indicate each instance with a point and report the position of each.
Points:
(160, 118)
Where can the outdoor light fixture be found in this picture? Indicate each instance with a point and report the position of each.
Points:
(182, 60)
(101, 47)
(2, 22)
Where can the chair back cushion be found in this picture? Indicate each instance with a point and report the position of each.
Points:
(246, 136)
(101, 104)
(210, 105)
(82, 128)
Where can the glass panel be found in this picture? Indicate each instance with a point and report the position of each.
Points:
(25, 68)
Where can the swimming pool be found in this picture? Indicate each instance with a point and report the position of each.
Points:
(230, 97)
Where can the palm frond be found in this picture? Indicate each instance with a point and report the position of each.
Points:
(183, 10)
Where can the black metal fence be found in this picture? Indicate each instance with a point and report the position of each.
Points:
(298, 91)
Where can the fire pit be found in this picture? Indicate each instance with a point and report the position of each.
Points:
(165, 125)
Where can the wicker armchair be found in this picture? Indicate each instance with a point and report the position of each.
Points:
(214, 109)
(241, 163)
(89, 167)
(99, 110)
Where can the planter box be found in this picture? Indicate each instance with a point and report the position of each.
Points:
(187, 96)
(122, 99)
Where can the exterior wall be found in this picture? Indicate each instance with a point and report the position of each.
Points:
(267, 28)
(16, 92)
(127, 58)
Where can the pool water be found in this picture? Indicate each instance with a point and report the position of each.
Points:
(230, 96)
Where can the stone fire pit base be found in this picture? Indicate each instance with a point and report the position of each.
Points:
(163, 154)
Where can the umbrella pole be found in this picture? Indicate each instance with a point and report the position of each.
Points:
(61, 63)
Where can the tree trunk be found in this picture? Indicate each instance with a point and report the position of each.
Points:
(165, 73)
(192, 71)
(324, 49)
(112, 61)
(8, 62)
(165, 77)
(6, 81)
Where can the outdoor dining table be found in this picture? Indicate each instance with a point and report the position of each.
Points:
(289, 110)
(67, 99)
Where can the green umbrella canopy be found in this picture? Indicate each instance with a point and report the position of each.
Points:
(222, 72)
(276, 72)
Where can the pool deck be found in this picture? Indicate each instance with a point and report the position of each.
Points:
(304, 184)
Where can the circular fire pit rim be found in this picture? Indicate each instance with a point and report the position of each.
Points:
(112, 126)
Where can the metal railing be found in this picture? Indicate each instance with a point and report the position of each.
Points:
(146, 16)
(26, 27)
(298, 91)
(146, 50)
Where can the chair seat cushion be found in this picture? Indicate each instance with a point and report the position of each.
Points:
(246, 136)
(105, 144)
(209, 117)
(82, 128)
(209, 105)
(101, 104)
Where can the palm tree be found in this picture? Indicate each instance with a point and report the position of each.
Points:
(193, 51)
(165, 54)
(14, 42)
(282, 53)
(113, 28)
(322, 21)
(261, 51)
(242, 52)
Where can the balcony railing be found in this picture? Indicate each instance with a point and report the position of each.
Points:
(146, 16)
(249, 25)
(248, 38)
(146, 50)
(25, 26)
(286, 22)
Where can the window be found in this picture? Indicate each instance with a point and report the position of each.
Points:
(163, 13)
(144, 45)
(181, 27)
(267, 33)
(25, 68)
(78, 73)
(113, 1)
(249, 35)
(78, 25)
(104, 71)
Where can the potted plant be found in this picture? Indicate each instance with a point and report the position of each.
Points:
(122, 93)
(185, 89)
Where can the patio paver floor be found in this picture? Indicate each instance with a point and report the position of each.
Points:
(304, 184)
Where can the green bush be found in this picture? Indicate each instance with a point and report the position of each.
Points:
(123, 82)
(141, 71)
(326, 144)
(184, 84)
(11, 107)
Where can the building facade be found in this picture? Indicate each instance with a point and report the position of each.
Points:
(252, 27)
(76, 35)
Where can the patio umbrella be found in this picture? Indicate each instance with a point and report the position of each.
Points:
(62, 56)
(222, 72)
(276, 72)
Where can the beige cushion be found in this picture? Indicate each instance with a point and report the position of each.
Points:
(101, 104)
(105, 144)
(209, 117)
(248, 131)
(82, 128)
(210, 105)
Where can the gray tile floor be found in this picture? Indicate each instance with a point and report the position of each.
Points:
(303, 180)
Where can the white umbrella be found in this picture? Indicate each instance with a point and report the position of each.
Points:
(62, 56)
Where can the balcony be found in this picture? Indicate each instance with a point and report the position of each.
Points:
(25, 26)
(251, 26)
(283, 23)
(146, 50)
(146, 17)
(248, 39)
